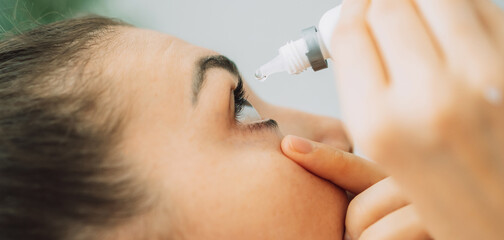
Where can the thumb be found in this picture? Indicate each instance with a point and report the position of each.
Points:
(344, 169)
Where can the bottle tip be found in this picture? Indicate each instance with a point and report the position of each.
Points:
(273, 66)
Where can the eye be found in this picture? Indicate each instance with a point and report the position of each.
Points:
(244, 112)
(247, 114)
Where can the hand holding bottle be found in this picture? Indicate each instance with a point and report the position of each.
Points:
(421, 86)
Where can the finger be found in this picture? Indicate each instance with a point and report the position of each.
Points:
(458, 30)
(408, 50)
(344, 169)
(492, 17)
(401, 224)
(373, 204)
(358, 64)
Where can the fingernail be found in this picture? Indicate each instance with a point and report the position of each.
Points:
(300, 145)
(347, 236)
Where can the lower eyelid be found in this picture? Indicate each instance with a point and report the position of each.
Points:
(268, 124)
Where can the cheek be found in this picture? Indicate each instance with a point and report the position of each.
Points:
(259, 195)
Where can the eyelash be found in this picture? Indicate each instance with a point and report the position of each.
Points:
(239, 99)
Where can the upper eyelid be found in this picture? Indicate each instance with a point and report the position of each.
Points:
(209, 62)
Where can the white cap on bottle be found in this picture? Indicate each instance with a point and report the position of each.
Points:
(309, 51)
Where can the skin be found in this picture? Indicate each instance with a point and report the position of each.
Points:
(210, 177)
(415, 77)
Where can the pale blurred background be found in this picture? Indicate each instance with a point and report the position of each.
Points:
(248, 32)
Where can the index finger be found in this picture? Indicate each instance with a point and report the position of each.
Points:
(344, 169)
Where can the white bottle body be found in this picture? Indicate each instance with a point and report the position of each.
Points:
(326, 28)
(292, 57)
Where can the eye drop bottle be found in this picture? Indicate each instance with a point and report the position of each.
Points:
(312, 50)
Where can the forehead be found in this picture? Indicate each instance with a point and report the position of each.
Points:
(151, 60)
(160, 50)
(154, 73)
(155, 70)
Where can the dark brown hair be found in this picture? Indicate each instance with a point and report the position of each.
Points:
(60, 177)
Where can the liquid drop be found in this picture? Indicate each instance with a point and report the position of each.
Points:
(260, 76)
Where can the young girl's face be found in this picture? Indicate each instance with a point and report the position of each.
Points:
(215, 175)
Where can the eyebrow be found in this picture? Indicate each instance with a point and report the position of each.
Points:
(210, 62)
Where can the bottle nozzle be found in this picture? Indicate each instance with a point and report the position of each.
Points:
(292, 59)
(274, 66)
